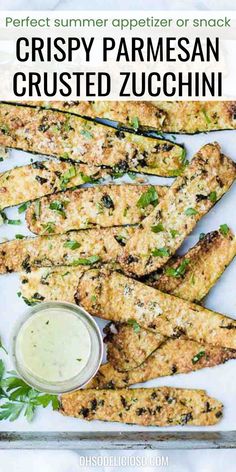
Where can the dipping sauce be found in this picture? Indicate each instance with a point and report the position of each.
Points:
(57, 347)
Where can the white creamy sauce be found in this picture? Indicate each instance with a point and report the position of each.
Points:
(54, 345)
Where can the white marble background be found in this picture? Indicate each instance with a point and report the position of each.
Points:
(68, 461)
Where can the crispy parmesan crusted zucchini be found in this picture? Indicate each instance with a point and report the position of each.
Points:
(168, 117)
(204, 181)
(128, 346)
(50, 284)
(75, 248)
(193, 275)
(175, 356)
(42, 178)
(115, 297)
(70, 137)
(103, 206)
(163, 406)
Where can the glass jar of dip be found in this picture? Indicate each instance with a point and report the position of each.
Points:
(57, 347)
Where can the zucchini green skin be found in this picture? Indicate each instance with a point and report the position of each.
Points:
(66, 136)
(163, 406)
(210, 173)
(99, 206)
(167, 117)
(42, 178)
(113, 296)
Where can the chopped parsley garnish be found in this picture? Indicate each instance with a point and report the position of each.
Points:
(19, 236)
(48, 227)
(161, 252)
(174, 233)
(37, 208)
(17, 397)
(86, 261)
(58, 207)
(72, 245)
(135, 123)
(23, 207)
(65, 155)
(213, 197)
(191, 211)
(88, 179)
(147, 198)
(134, 324)
(67, 176)
(157, 228)
(224, 229)
(13, 222)
(206, 116)
(120, 239)
(179, 271)
(198, 356)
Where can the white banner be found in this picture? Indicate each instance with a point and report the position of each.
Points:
(113, 55)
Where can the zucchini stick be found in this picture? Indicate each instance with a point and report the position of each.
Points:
(103, 206)
(163, 406)
(42, 178)
(115, 297)
(174, 356)
(75, 248)
(209, 175)
(70, 137)
(167, 117)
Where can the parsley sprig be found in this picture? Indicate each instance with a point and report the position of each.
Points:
(16, 397)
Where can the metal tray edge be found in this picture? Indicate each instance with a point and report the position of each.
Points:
(118, 441)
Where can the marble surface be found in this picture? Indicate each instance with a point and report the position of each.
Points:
(69, 461)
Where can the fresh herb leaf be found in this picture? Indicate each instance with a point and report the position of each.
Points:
(160, 252)
(86, 261)
(206, 116)
(134, 324)
(191, 211)
(202, 236)
(23, 207)
(49, 227)
(213, 197)
(132, 175)
(58, 207)
(37, 208)
(72, 245)
(174, 233)
(120, 239)
(135, 123)
(87, 179)
(16, 397)
(67, 176)
(224, 229)
(179, 271)
(19, 236)
(147, 198)
(13, 222)
(157, 228)
(198, 356)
